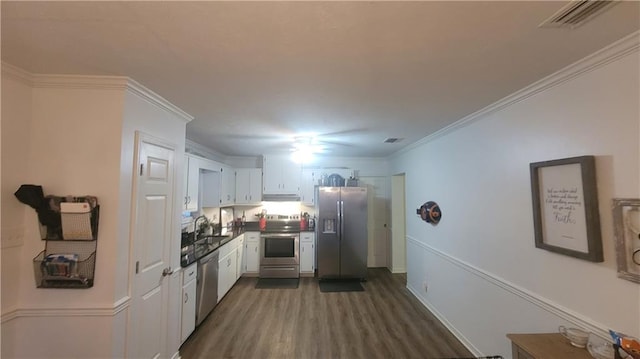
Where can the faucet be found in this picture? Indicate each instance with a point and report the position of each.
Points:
(195, 225)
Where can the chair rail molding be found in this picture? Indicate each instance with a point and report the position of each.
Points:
(579, 320)
(117, 307)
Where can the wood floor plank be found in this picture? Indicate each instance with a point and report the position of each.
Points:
(384, 321)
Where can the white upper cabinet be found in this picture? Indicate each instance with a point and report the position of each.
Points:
(191, 182)
(227, 185)
(217, 184)
(307, 187)
(248, 185)
(281, 175)
(210, 184)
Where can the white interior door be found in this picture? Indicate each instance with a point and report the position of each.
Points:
(153, 220)
(398, 225)
(378, 220)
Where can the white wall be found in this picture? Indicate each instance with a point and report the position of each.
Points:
(141, 115)
(16, 123)
(485, 277)
(74, 135)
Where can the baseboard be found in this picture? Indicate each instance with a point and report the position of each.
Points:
(456, 333)
(535, 299)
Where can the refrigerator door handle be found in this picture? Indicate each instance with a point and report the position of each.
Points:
(341, 219)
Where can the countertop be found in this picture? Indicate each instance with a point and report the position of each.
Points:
(207, 244)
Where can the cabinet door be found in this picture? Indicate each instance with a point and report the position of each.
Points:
(252, 252)
(306, 257)
(223, 282)
(210, 189)
(228, 185)
(272, 171)
(227, 267)
(188, 309)
(255, 186)
(193, 178)
(243, 185)
(240, 257)
(307, 252)
(291, 174)
(307, 187)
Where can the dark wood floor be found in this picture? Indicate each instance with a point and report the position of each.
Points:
(384, 321)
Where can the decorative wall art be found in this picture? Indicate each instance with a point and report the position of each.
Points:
(626, 222)
(565, 207)
(430, 212)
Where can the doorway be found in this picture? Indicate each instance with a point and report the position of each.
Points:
(398, 244)
(378, 220)
(153, 218)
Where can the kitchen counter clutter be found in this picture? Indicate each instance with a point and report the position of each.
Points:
(196, 248)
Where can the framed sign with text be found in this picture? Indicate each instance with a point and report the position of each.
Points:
(565, 207)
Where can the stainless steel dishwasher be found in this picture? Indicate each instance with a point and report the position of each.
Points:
(207, 287)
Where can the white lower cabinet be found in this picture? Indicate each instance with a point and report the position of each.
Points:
(239, 256)
(227, 268)
(189, 275)
(307, 253)
(252, 254)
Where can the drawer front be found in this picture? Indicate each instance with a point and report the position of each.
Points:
(189, 273)
(306, 237)
(518, 353)
(252, 236)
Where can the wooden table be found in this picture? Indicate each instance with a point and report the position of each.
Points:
(545, 346)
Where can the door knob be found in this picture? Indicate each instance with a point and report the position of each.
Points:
(167, 271)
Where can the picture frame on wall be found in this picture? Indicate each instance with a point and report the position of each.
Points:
(565, 207)
(626, 225)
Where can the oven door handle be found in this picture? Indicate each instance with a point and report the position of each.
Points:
(279, 235)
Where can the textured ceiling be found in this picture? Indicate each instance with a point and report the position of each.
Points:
(256, 74)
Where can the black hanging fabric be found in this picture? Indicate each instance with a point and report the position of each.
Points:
(33, 195)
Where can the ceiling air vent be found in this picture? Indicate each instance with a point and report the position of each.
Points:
(577, 12)
(392, 140)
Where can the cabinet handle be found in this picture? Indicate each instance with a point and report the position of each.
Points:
(186, 297)
(229, 262)
(256, 249)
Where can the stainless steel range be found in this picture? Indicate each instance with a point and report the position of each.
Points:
(280, 247)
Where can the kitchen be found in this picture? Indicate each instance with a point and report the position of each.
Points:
(465, 132)
(223, 240)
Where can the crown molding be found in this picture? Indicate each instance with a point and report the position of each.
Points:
(611, 53)
(197, 149)
(121, 83)
(138, 89)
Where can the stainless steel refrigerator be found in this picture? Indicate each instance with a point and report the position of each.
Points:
(341, 232)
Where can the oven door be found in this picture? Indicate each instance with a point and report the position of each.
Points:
(279, 249)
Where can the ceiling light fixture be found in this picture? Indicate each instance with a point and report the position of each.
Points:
(304, 149)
